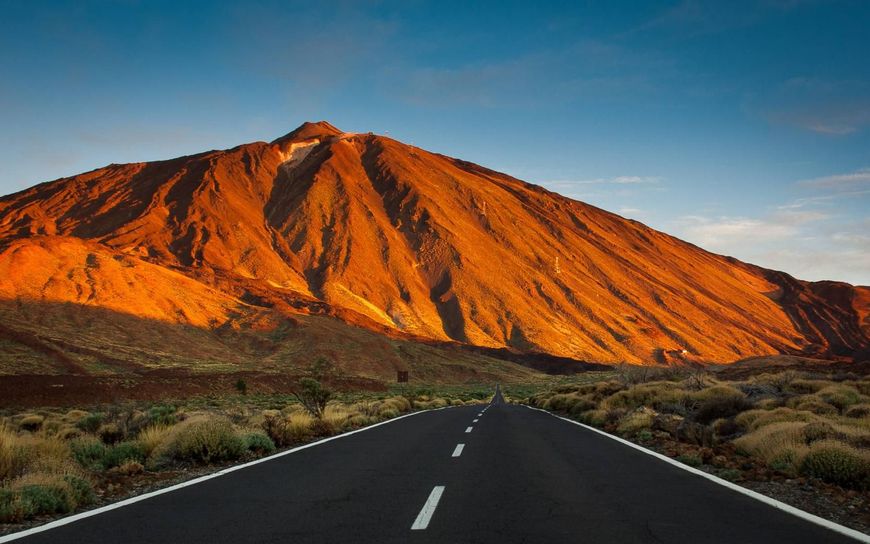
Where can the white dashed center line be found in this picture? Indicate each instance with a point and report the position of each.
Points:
(475, 421)
(458, 451)
(428, 510)
(468, 430)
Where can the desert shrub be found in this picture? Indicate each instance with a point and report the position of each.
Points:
(12, 454)
(781, 444)
(768, 403)
(838, 463)
(356, 421)
(388, 413)
(31, 422)
(39, 493)
(726, 427)
(290, 429)
(651, 395)
(73, 416)
(644, 436)
(323, 427)
(121, 453)
(129, 468)
(812, 403)
(636, 421)
(582, 404)
(110, 433)
(818, 430)
(863, 386)
(151, 437)
(690, 459)
(42, 499)
(718, 391)
(88, 452)
(717, 407)
(730, 474)
(840, 396)
(804, 387)
(90, 423)
(163, 414)
(858, 411)
(259, 443)
(202, 439)
(596, 418)
(754, 419)
(68, 432)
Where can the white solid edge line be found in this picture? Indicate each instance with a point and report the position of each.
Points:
(428, 509)
(120, 504)
(468, 430)
(812, 518)
(458, 451)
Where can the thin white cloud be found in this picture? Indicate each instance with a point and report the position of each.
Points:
(849, 181)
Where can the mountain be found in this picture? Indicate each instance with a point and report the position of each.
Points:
(409, 244)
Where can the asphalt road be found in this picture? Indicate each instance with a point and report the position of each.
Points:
(522, 476)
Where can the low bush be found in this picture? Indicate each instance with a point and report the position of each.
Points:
(595, 418)
(31, 422)
(90, 423)
(690, 459)
(88, 452)
(259, 444)
(202, 439)
(840, 396)
(858, 411)
(636, 421)
(121, 453)
(838, 463)
(290, 429)
(717, 407)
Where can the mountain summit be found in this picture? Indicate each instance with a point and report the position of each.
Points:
(405, 242)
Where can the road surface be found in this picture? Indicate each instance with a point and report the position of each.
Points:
(459, 475)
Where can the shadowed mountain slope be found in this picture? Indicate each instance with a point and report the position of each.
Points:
(402, 241)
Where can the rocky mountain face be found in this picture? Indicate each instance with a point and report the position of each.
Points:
(406, 243)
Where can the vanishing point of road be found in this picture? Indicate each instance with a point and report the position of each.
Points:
(473, 474)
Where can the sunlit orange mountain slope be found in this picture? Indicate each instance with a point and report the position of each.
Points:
(401, 241)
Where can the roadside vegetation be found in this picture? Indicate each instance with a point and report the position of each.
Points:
(792, 425)
(54, 461)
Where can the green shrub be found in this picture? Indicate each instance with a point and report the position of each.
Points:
(690, 459)
(644, 436)
(120, 453)
(163, 414)
(43, 499)
(259, 443)
(90, 423)
(837, 463)
(730, 474)
(82, 492)
(88, 452)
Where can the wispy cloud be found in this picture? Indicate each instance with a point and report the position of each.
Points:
(842, 182)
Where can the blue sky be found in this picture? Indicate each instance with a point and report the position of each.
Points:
(741, 126)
